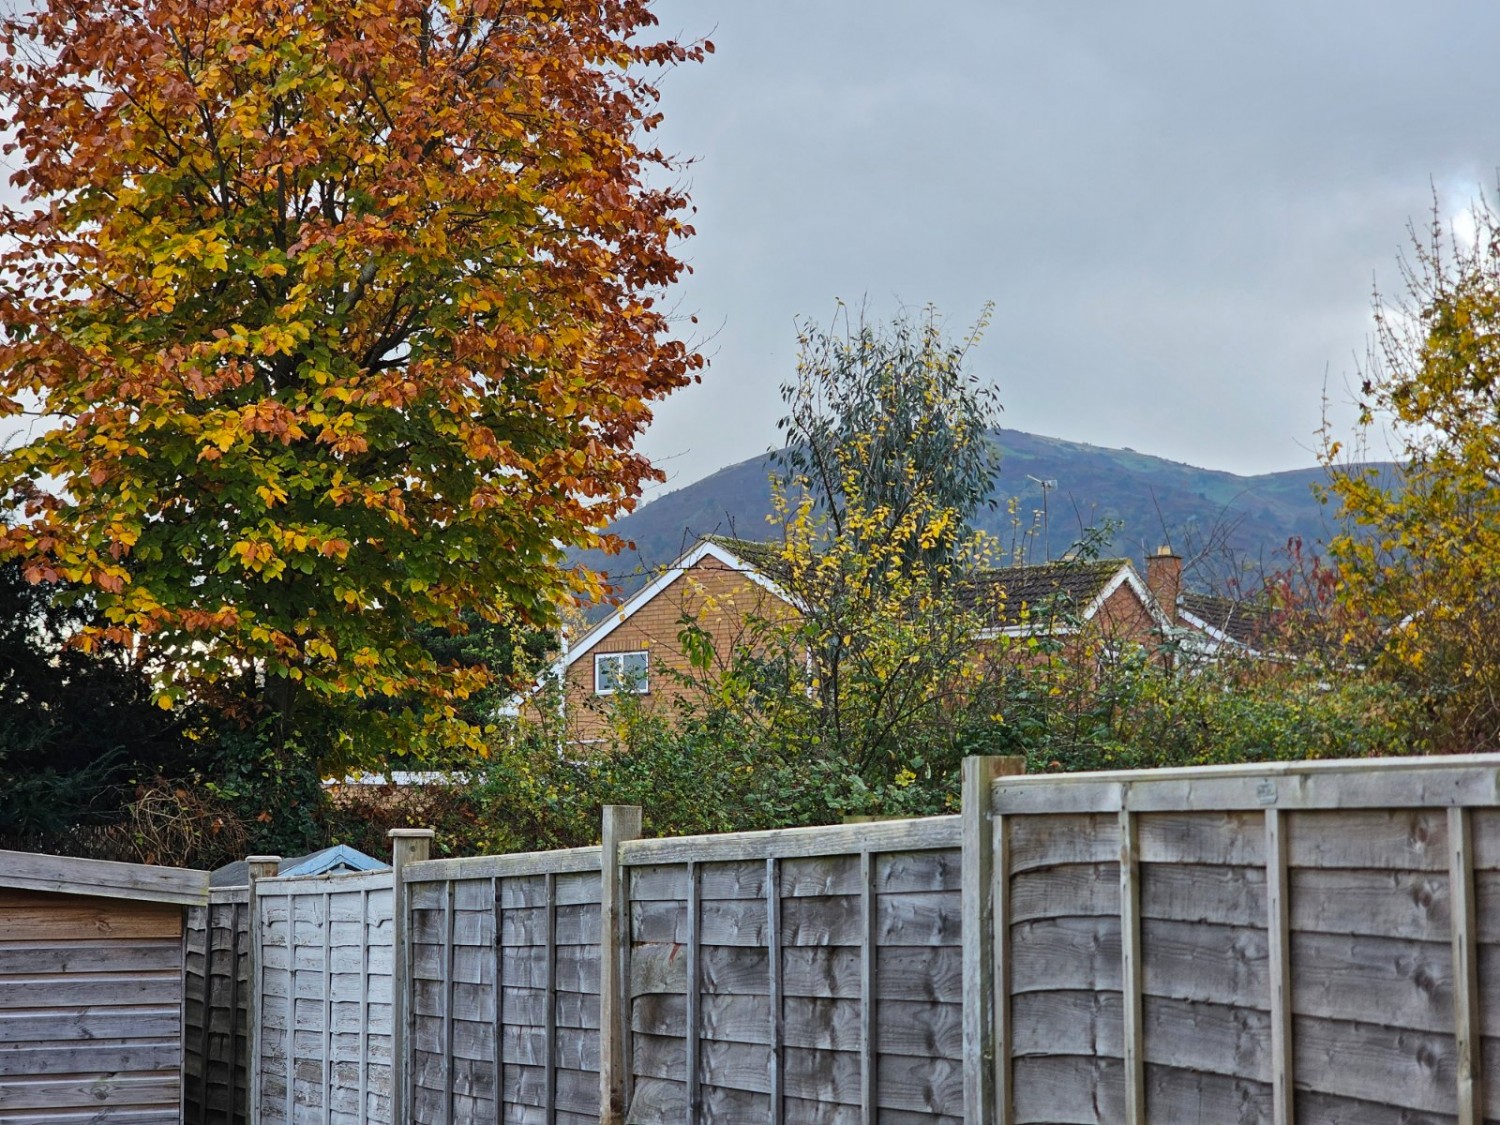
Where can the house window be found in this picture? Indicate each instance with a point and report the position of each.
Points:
(621, 672)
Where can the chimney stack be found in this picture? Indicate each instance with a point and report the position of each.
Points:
(1164, 580)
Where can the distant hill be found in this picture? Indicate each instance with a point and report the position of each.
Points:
(1220, 522)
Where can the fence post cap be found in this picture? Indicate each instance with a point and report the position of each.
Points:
(262, 859)
(412, 833)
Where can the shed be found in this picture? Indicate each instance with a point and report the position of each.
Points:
(337, 860)
(91, 958)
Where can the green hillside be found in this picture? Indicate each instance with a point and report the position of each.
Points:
(1224, 524)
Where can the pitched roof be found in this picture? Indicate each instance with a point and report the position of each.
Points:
(1244, 623)
(1010, 595)
(717, 547)
(764, 557)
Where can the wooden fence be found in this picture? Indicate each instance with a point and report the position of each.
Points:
(1310, 942)
(216, 1010)
(324, 1037)
(503, 1004)
(796, 976)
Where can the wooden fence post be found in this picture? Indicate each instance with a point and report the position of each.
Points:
(1463, 925)
(408, 845)
(259, 867)
(621, 823)
(980, 1003)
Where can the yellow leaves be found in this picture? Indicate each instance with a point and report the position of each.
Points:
(258, 556)
(271, 494)
(320, 649)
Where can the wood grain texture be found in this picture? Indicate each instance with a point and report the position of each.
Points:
(1368, 783)
(936, 832)
(1465, 970)
(91, 1006)
(103, 879)
(325, 1008)
(1279, 968)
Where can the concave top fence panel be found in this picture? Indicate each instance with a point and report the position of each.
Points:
(1459, 781)
(1303, 942)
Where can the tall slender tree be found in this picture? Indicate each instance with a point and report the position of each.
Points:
(891, 413)
(1419, 564)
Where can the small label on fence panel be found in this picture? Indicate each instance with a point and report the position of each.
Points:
(1265, 792)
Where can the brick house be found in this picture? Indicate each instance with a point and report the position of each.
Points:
(722, 582)
(637, 648)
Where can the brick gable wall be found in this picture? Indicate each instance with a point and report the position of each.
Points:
(719, 598)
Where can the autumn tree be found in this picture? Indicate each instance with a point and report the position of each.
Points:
(1420, 560)
(332, 321)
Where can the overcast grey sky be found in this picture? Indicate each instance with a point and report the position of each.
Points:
(1179, 208)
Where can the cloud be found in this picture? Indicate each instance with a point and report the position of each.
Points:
(1180, 209)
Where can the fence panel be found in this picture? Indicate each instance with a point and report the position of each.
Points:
(216, 1031)
(323, 1032)
(809, 974)
(1311, 941)
(505, 988)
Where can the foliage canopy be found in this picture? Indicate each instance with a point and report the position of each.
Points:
(1420, 560)
(338, 318)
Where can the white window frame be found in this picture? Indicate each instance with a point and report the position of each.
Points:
(602, 658)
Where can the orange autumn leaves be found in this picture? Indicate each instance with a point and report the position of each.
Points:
(336, 318)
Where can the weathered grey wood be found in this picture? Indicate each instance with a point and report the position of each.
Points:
(326, 1055)
(1066, 953)
(450, 918)
(1177, 1094)
(1404, 839)
(1131, 974)
(1374, 980)
(867, 997)
(1389, 783)
(342, 883)
(693, 1027)
(364, 1006)
(621, 825)
(500, 1012)
(1390, 903)
(1392, 1066)
(259, 867)
(774, 990)
(1278, 943)
(1069, 1088)
(550, 1028)
(1064, 838)
(1198, 836)
(101, 878)
(469, 869)
(408, 846)
(1002, 896)
(788, 843)
(1466, 1019)
(978, 919)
